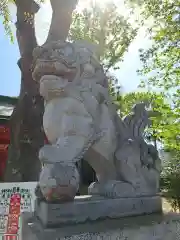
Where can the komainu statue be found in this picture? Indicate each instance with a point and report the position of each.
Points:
(81, 121)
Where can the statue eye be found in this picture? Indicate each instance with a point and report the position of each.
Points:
(68, 51)
(59, 51)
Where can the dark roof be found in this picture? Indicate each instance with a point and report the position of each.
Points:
(4, 119)
(6, 106)
(8, 100)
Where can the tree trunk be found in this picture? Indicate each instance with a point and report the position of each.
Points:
(27, 135)
(61, 19)
(26, 122)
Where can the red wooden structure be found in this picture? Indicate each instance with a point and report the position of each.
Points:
(4, 142)
(6, 106)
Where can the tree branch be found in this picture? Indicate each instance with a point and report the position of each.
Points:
(61, 19)
(25, 33)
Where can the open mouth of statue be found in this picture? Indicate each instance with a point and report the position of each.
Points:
(53, 68)
(54, 82)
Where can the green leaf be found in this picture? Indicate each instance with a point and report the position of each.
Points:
(105, 27)
(5, 14)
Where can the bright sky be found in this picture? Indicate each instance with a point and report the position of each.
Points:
(10, 74)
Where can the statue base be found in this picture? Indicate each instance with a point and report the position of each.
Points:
(52, 221)
(91, 208)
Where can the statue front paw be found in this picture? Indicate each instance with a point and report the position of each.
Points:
(58, 183)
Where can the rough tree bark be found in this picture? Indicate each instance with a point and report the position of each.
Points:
(26, 131)
(27, 134)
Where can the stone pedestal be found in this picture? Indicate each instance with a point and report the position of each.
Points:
(147, 227)
(86, 214)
